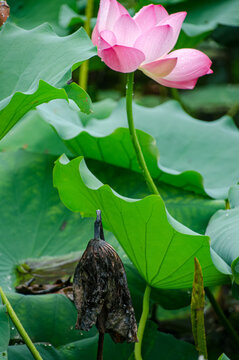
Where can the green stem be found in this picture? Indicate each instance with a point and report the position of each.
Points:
(142, 323)
(84, 69)
(139, 154)
(152, 187)
(222, 317)
(19, 327)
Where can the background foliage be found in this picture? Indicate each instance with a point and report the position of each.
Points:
(190, 141)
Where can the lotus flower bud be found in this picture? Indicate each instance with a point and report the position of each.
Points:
(101, 293)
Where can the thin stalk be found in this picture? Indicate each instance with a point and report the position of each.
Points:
(100, 346)
(139, 154)
(19, 327)
(84, 69)
(142, 323)
(218, 310)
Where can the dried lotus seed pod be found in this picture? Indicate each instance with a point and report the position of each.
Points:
(101, 293)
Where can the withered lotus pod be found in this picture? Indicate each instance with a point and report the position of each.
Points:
(4, 12)
(101, 293)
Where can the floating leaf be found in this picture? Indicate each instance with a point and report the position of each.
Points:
(194, 155)
(151, 238)
(223, 230)
(28, 78)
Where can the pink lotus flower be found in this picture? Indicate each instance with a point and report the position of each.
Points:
(144, 42)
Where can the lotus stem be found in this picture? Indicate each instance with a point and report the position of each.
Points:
(142, 323)
(139, 154)
(19, 327)
(84, 69)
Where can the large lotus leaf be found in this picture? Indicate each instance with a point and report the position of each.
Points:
(69, 18)
(162, 249)
(4, 331)
(203, 17)
(21, 352)
(35, 135)
(33, 62)
(194, 155)
(33, 222)
(36, 228)
(49, 318)
(223, 229)
(156, 345)
(211, 13)
(191, 209)
(211, 98)
(30, 13)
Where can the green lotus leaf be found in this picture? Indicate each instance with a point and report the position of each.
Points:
(34, 65)
(161, 249)
(35, 135)
(179, 149)
(223, 230)
(30, 13)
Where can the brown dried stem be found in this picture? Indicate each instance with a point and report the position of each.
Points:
(100, 346)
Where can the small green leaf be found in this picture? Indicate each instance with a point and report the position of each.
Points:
(223, 357)
(147, 233)
(80, 97)
(197, 310)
